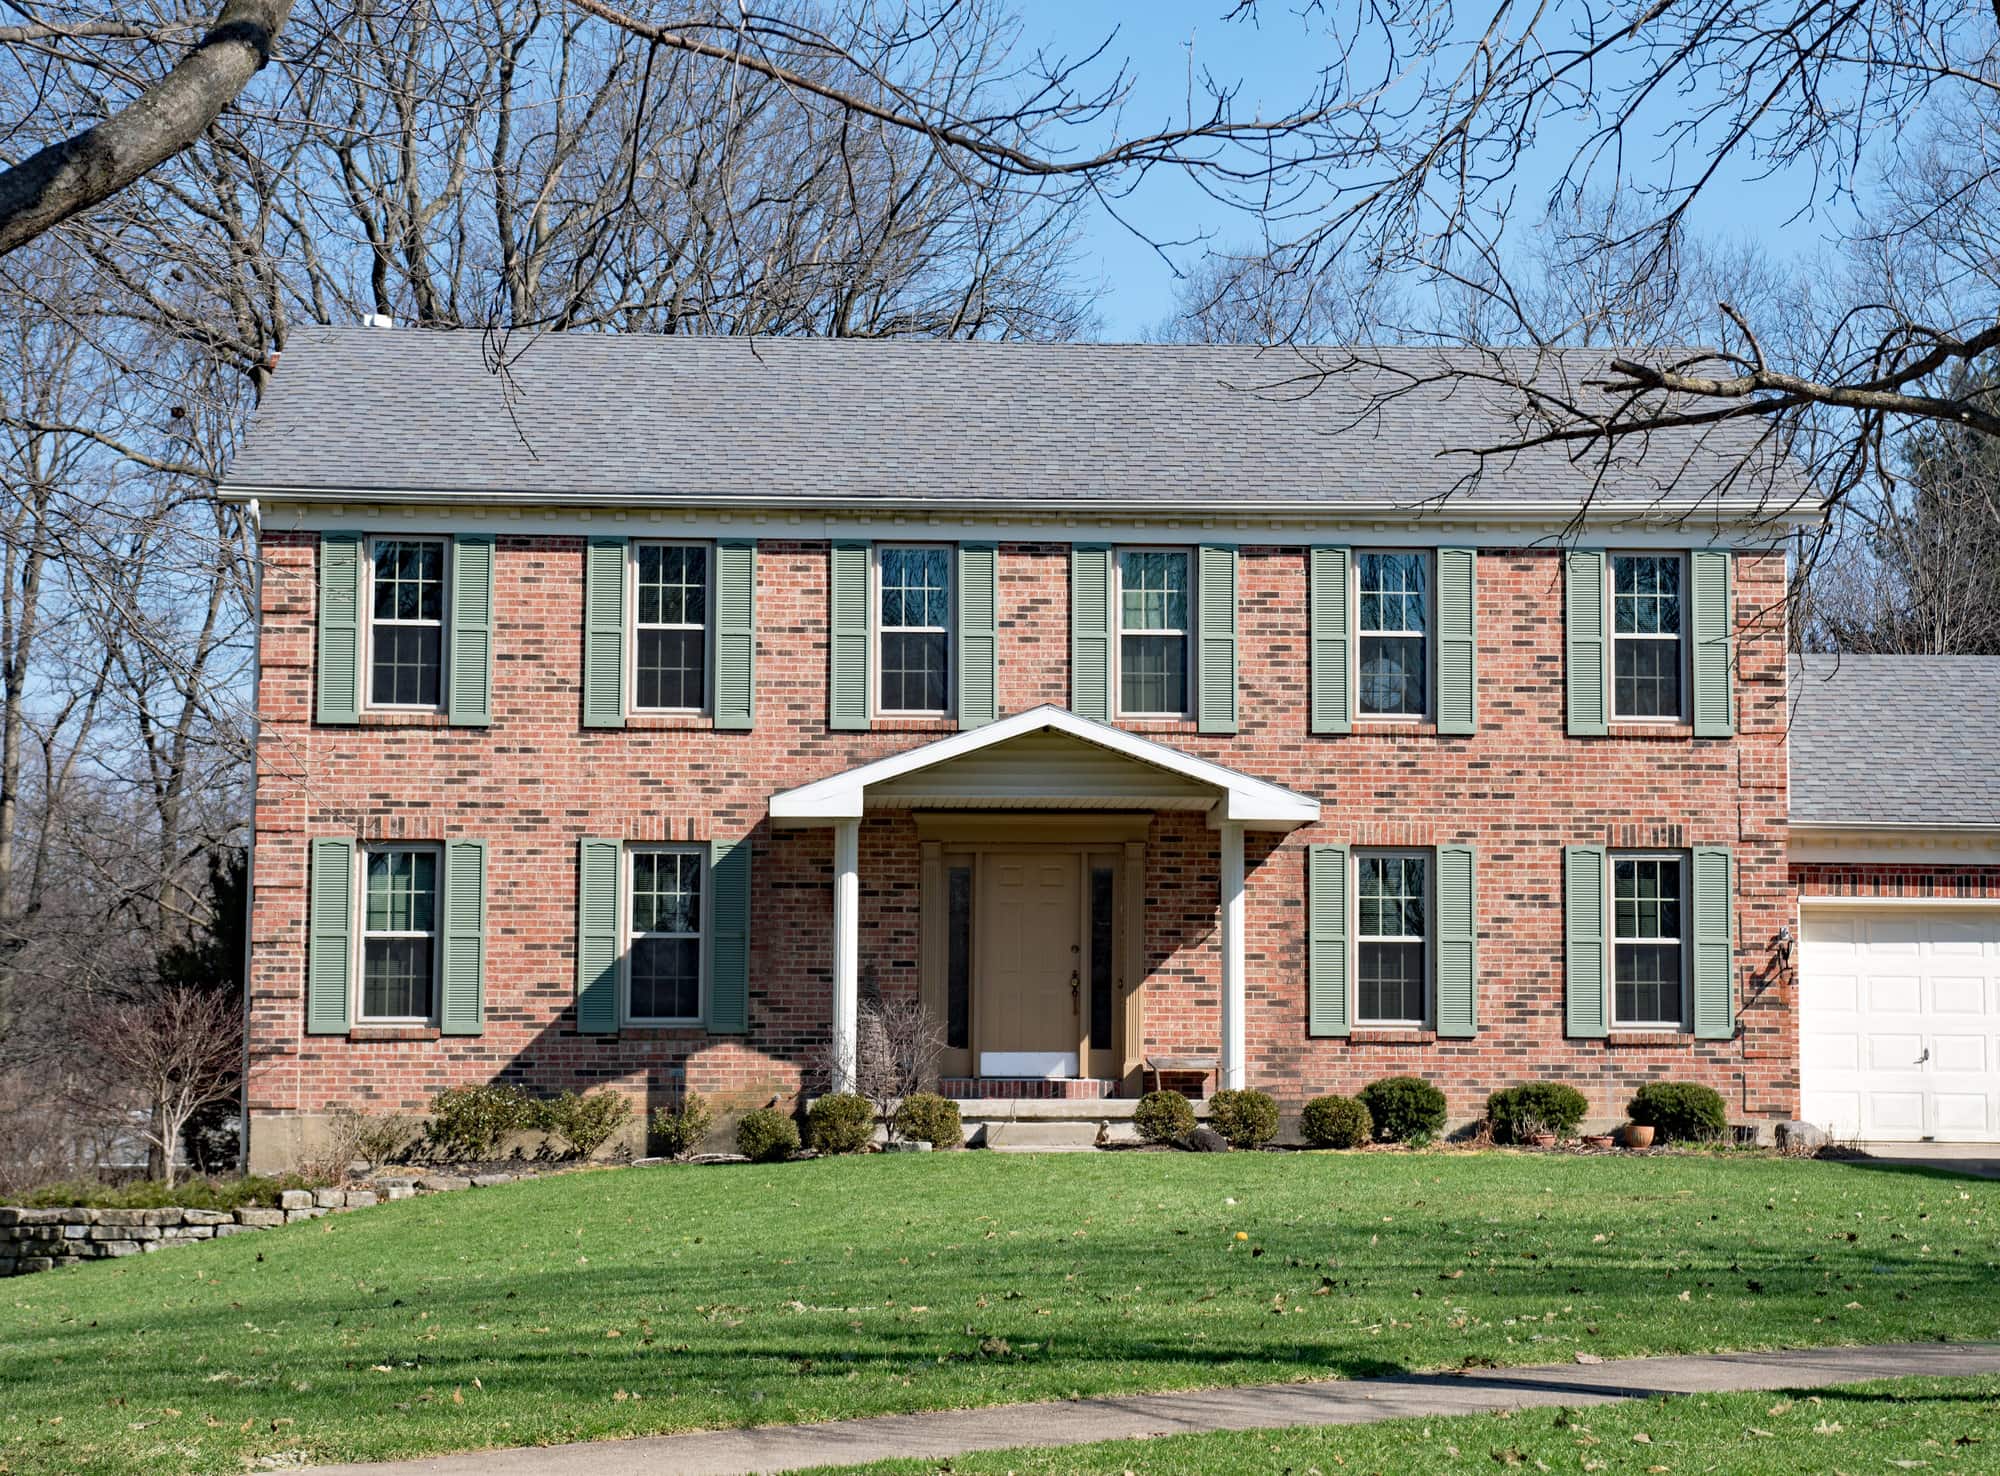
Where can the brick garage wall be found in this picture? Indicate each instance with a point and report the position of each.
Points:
(1872, 880)
(535, 781)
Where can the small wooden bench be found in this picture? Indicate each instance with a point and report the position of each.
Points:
(1158, 1066)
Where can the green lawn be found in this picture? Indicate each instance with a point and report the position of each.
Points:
(673, 1298)
(1938, 1426)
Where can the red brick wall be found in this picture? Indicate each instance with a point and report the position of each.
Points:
(535, 781)
(1881, 879)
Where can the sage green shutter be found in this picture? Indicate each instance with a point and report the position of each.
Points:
(329, 937)
(599, 881)
(339, 676)
(847, 693)
(1332, 699)
(735, 634)
(729, 937)
(462, 998)
(604, 633)
(1215, 649)
(1585, 645)
(1458, 943)
(1458, 647)
(1714, 645)
(978, 634)
(1586, 1000)
(1714, 947)
(1326, 941)
(1090, 631)
(471, 660)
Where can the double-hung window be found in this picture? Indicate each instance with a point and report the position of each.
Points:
(671, 626)
(1155, 614)
(406, 622)
(1647, 947)
(1646, 626)
(913, 630)
(399, 933)
(1394, 627)
(665, 911)
(1392, 937)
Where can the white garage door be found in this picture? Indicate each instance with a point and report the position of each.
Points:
(1900, 1022)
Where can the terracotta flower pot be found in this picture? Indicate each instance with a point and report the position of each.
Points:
(1598, 1140)
(1636, 1135)
(1541, 1140)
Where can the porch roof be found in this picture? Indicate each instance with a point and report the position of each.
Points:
(1046, 758)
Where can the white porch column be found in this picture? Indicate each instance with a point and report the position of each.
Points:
(847, 949)
(1232, 955)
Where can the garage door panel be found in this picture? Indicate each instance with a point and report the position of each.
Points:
(1830, 1052)
(1959, 994)
(1893, 994)
(1968, 1053)
(1961, 936)
(1959, 1114)
(1895, 1114)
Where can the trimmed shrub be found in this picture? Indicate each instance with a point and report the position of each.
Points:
(1518, 1113)
(767, 1136)
(1246, 1119)
(585, 1122)
(681, 1129)
(1163, 1117)
(1405, 1109)
(206, 1194)
(380, 1140)
(1336, 1122)
(840, 1122)
(925, 1117)
(1680, 1111)
(469, 1123)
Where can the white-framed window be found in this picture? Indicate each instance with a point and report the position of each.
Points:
(1155, 605)
(665, 912)
(1648, 946)
(1648, 618)
(670, 625)
(406, 616)
(1392, 911)
(398, 934)
(913, 612)
(1393, 623)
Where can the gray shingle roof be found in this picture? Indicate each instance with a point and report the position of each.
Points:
(842, 421)
(1896, 740)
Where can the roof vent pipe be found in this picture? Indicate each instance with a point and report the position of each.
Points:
(377, 320)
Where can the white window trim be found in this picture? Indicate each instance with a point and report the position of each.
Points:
(1684, 862)
(876, 630)
(632, 625)
(360, 1014)
(1429, 714)
(628, 936)
(368, 623)
(1429, 857)
(1186, 633)
(1682, 642)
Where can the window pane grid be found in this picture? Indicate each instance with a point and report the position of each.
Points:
(1153, 632)
(398, 941)
(1646, 940)
(665, 959)
(1392, 931)
(914, 618)
(1394, 630)
(406, 649)
(1646, 610)
(672, 627)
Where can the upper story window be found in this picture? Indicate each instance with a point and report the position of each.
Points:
(1155, 614)
(1648, 962)
(406, 622)
(1394, 629)
(913, 630)
(1646, 626)
(670, 650)
(1392, 936)
(664, 957)
(399, 934)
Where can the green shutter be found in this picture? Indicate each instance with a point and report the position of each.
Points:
(1587, 1005)
(729, 936)
(847, 692)
(1215, 650)
(1332, 702)
(462, 999)
(329, 937)
(339, 675)
(604, 633)
(735, 634)
(600, 877)
(471, 661)
(1714, 645)
(1714, 950)
(1458, 943)
(1326, 940)
(978, 634)
(1458, 647)
(1585, 646)
(1090, 631)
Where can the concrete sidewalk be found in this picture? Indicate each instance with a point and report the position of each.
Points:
(1259, 1407)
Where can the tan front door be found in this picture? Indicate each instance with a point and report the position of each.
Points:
(1031, 956)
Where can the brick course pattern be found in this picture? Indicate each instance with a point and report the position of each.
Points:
(1903, 882)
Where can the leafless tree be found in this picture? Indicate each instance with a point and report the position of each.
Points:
(174, 1053)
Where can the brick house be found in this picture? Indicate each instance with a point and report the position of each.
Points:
(633, 715)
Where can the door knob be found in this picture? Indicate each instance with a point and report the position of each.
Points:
(1075, 993)
(1925, 1056)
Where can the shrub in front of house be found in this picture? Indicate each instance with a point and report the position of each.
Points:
(585, 1121)
(469, 1123)
(1680, 1111)
(767, 1136)
(925, 1117)
(840, 1122)
(1246, 1119)
(204, 1194)
(1518, 1113)
(1163, 1117)
(679, 1130)
(1405, 1109)
(1336, 1122)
